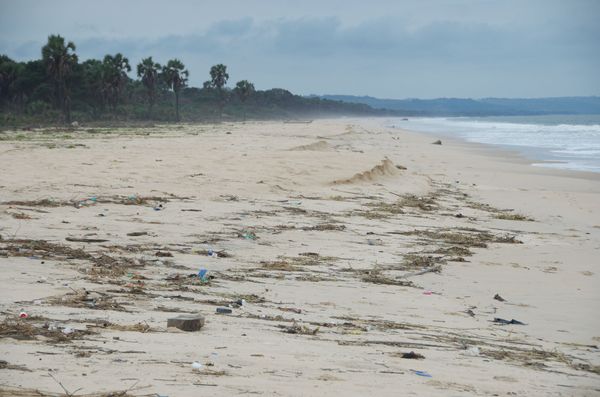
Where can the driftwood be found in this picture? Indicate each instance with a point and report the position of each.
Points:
(436, 268)
(86, 240)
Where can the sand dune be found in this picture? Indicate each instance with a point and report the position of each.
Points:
(386, 168)
(319, 145)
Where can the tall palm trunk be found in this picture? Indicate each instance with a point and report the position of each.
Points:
(177, 105)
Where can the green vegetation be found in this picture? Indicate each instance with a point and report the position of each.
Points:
(148, 71)
(58, 89)
(59, 59)
(176, 77)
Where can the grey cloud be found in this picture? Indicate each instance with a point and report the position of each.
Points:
(384, 55)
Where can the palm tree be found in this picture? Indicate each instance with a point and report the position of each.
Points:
(176, 76)
(148, 70)
(244, 89)
(219, 76)
(60, 58)
(114, 76)
(218, 79)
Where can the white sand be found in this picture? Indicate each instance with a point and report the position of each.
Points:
(277, 180)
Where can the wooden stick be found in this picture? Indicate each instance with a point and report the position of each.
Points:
(436, 268)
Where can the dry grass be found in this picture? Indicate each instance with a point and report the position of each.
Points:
(537, 358)
(41, 248)
(40, 203)
(281, 265)
(121, 200)
(463, 237)
(325, 227)
(6, 365)
(24, 329)
(376, 276)
(337, 198)
(22, 392)
(299, 329)
(415, 261)
(422, 203)
(87, 299)
(103, 265)
(482, 207)
(142, 327)
(513, 217)
(453, 251)
(384, 209)
(20, 215)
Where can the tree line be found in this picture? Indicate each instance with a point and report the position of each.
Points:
(58, 87)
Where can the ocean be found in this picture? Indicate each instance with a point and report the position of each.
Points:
(557, 141)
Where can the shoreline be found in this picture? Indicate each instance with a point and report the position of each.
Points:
(537, 156)
(349, 244)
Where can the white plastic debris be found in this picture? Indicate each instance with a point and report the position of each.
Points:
(196, 365)
(472, 351)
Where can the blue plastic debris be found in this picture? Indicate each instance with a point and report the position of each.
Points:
(422, 373)
(202, 274)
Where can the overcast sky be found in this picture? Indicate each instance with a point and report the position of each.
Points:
(390, 49)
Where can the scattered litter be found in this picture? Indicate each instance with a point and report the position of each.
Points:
(159, 207)
(499, 298)
(502, 321)
(224, 310)
(427, 292)
(87, 202)
(412, 356)
(472, 351)
(249, 235)
(68, 330)
(196, 365)
(22, 314)
(422, 373)
(202, 274)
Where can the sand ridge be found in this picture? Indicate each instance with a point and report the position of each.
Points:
(385, 168)
(319, 145)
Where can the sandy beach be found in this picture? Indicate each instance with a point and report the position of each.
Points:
(340, 246)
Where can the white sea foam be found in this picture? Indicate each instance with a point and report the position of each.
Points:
(572, 142)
